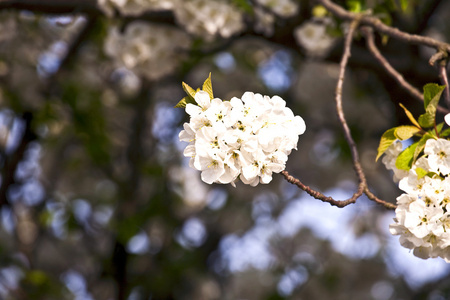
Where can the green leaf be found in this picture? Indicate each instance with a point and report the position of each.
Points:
(445, 133)
(410, 116)
(431, 94)
(426, 120)
(421, 145)
(355, 5)
(386, 140)
(405, 159)
(439, 127)
(405, 132)
(421, 172)
(190, 91)
(207, 87)
(183, 102)
(244, 5)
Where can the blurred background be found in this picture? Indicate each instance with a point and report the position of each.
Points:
(98, 202)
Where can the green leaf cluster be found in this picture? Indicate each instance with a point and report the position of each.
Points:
(425, 128)
(190, 98)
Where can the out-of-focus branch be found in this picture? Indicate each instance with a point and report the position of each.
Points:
(74, 46)
(52, 6)
(12, 161)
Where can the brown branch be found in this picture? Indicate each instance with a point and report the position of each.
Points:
(374, 198)
(444, 81)
(318, 195)
(383, 28)
(338, 99)
(441, 57)
(414, 92)
(362, 186)
(370, 41)
(348, 137)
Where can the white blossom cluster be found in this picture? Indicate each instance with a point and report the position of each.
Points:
(147, 49)
(283, 8)
(247, 139)
(313, 37)
(423, 212)
(205, 18)
(134, 7)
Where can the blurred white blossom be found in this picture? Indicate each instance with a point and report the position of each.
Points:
(204, 18)
(283, 8)
(134, 7)
(312, 36)
(207, 18)
(264, 21)
(246, 139)
(147, 49)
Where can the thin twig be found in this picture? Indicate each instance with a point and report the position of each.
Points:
(438, 56)
(374, 198)
(441, 58)
(370, 41)
(348, 137)
(338, 99)
(444, 81)
(318, 195)
(362, 186)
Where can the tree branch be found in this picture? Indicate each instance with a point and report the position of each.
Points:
(415, 93)
(338, 99)
(370, 41)
(12, 161)
(383, 28)
(444, 81)
(362, 186)
(441, 58)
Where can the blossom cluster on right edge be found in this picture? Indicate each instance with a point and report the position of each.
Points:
(422, 216)
(423, 213)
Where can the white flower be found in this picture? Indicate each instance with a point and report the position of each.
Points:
(248, 139)
(264, 21)
(283, 8)
(314, 39)
(423, 211)
(207, 18)
(447, 119)
(389, 159)
(438, 152)
(147, 49)
(134, 7)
